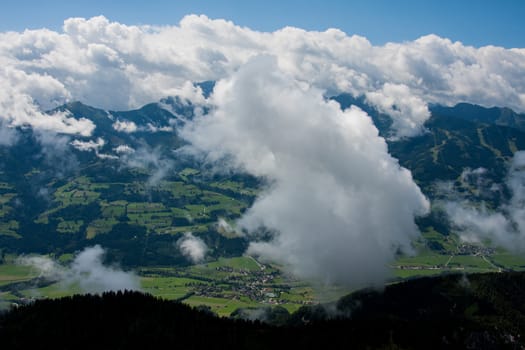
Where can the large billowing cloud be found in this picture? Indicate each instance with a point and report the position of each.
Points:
(115, 66)
(340, 204)
(19, 103)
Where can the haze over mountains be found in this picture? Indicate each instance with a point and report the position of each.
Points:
(325, 187)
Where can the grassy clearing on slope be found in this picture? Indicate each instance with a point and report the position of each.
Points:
(168, 287)
(470, 261)
(78, 192)
(188, 172)
(175, 230)
(10, 273)
(181, 190)
(399, 273)
(429, 260)
(223, 307)
(55, 290)
(5, 186)
(6, 197)
(217, 201)
(233, 186)
(448, 242)
(69, 226)
(9, 228)
(509, 261)
(113, 209)
(100, 226)
(4, 200)
(242, 262)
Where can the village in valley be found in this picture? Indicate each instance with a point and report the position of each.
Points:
(227, 284)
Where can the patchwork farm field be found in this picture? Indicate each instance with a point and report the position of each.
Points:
(85, 206)
(226, 284)
(223, 285)
(141, 223)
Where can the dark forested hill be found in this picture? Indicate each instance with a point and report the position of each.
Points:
(453, 144)
(473, 113)
(456, 138)
(479, 312)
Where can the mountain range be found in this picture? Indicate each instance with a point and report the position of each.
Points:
(133, 187)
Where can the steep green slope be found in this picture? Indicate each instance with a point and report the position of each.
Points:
(55, 198)
(136, 188)
(452, 144)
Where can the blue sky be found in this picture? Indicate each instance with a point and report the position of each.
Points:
(478, 23)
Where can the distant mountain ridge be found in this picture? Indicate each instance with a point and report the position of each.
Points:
(463, 136)
(501, 116)
(495, 115)
(160, 119)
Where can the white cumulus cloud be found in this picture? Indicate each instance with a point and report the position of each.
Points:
(87, 146)
(117, 66)
(86, 271)
(23, 96)
(125, 126)
(408, 112)
(503, 226)
(124, 149)
(339, 203)
(192, 247)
